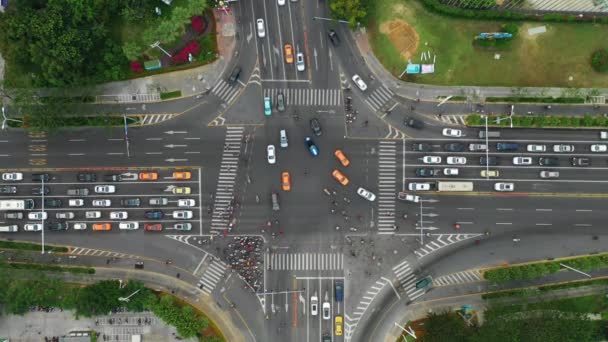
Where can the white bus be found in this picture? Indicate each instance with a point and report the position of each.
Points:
(16, 204)
(454, 186)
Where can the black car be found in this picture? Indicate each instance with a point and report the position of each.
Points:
(39, 177)
(413, 123)
(38, 190)
(580, 161)
(154, 214)
(315, 126)
(52, 202)
(112, 178)
(13, 215)
(454, 147)
(490, 161)
(548, 161)
(422, 147)
(87, 177)
(131, 202)
(426, 172)
(333, 37)
(57, 226)
(234, 75)
(8, 189)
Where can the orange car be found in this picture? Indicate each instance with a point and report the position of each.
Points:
(148, 176)
(102, 226)
(153, 227)
(182, 175)
(340, 177)
(286, 181)
(288, 54)
(342, 158)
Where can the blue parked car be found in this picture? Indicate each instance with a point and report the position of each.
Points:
(312, 148)
(267, 106)
(154, 215)
(339, 287)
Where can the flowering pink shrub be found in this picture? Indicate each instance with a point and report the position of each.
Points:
(136, 66)
(182, 57)
(197, 23)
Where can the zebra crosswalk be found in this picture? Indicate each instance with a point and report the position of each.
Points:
(225, 91)
(308, 97)
(127, 98)
(468, 276)
(98, 252)
(440, 242)
(212, 276)
(387, 181)
(379, 97)
(151, 119)
(224, 195)
(407, 280)
(454, 119)
(352, 320)
(304, 261)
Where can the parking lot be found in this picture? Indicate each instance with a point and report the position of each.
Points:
(101, 201)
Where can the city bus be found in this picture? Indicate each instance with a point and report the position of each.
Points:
(16, 204)
(454, 186)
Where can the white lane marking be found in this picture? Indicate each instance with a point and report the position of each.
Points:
(74, 140)
(115, 139)
(5, 155)
(544, 209)
(154, 153)
(504, 223)
(465, 208)
(461, 222)
(192, 138)
(193, 152)
(154, 138)
(583, 225)
(544, 224)
(115, 153)
(76, 154)
(584, 210)
(504, 209)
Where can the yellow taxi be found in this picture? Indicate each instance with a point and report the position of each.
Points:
(148, 176)
(183, 190)
(182, 175)
(288, 54)
(341, 157)
(340, 177)
(338, 325)
(286, 181)
(102, 226)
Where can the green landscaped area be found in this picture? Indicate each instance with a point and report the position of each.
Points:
(546, 59)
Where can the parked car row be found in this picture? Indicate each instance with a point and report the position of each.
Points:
(505, 147)
(63, 226)
(90, 177)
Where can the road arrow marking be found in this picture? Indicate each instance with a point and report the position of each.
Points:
(173, 146)
(176, 132)
(172, 160)
(315, 54)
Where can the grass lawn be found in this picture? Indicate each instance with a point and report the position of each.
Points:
(403, 29)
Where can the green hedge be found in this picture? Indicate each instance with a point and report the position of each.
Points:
(85, 121)
(44, 267)
(537, 99)
(170, 94)
(547, 288)
(29, 246)
(553, 121)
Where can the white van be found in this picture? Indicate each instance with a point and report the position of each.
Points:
(283, 138)
(13, 228)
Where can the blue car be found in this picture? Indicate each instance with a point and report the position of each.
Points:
(267, 106)
(312, 148)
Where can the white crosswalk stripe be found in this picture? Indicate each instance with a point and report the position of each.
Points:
(379, 98)
(212, 276)
(98, 252)
(305, 261)
(225, 91)
(468, 276)
(151, 119)
(352, 320)
(454, 119)
(440, 242)
(387, 181)
(307, 97)
(224, 193)
(407, 280)
(126, 98)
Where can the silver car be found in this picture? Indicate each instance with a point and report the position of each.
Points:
(182, 226)
(549, 174)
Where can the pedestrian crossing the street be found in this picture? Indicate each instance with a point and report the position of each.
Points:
(468, 276)
(387, 181)
(127, 98)
(212, 276)
(225, 91)
(454, 119)
(151, 119)
(305, 261)
(379, 98)
(224, 195)
(407, 280)
(307, 97)
(352, 320)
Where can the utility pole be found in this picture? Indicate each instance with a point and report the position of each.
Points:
(124, 115)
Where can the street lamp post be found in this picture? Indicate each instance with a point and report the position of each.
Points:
(498, 120)
(5, 119)
(126, 299)
(124, 115)
(42, 191)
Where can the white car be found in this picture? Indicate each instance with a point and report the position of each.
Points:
(598, 148)
(563, 148)
(101, 203)
(431, 159)
(105, 189)
(300, 65)
(92, 214)
(451, 132)
(68, 215)
(79, 226)
(326, 310)
(119, 215)
(182, 226)
(37, 215)
(261, 30)
(419, 186)
(271, 154)
(76, 202)
(186, 203)
(314, 305)
(359, 82)
(128, 225)
(281, 2)
(32, 227)
(549, 174)
(504, 186)
(449, 171)
(522, 160)
(411, 198)
(12, 176)
(182, 214)
(536, 148)
(456, 160)
(368, 195)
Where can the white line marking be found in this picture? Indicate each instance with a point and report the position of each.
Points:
(504, 223)
(544, 224)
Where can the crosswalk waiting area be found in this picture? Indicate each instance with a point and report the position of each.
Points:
(307, 97)
(304, 261)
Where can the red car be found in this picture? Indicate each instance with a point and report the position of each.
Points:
(153, 227)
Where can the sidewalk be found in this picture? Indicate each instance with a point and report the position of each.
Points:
(431, 92)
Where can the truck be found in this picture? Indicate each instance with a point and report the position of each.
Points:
(454, 186)
(13, 228)
(16, 204)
